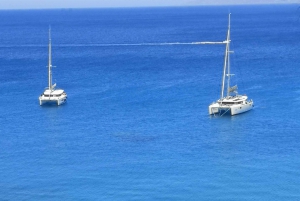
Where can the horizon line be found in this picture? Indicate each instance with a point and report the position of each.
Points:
(125, 7)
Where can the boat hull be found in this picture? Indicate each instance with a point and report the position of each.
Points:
(56, 101)
(238, 109)
(217, 108)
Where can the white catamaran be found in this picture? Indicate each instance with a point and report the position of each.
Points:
(52, 95)
(235, 104)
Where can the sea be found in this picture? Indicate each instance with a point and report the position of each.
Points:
(136, 123)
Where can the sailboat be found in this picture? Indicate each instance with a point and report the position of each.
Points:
(231, 103)
(52, 95)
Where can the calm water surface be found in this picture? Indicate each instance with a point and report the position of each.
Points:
(136, 124)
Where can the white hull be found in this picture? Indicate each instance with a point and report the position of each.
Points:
(53, 100)
(217, 108)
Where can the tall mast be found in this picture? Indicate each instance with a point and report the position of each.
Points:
(226, 59)
(49, 63)
(228, 56)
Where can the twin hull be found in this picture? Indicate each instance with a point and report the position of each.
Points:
(57, 101)
(217, 108)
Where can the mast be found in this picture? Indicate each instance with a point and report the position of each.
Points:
(228, 56)
(226, 60)
(49, 63)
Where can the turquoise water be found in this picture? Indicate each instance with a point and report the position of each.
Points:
(136, 124)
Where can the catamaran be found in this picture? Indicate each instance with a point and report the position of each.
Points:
(52, 95)
(232, 103)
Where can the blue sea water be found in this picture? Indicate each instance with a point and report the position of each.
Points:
(136, 124)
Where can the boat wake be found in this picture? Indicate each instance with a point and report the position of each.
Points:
(112, 44)
(126, 44)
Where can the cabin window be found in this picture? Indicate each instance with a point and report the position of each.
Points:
(228, 103)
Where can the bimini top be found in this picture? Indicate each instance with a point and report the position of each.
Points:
(55, 92)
